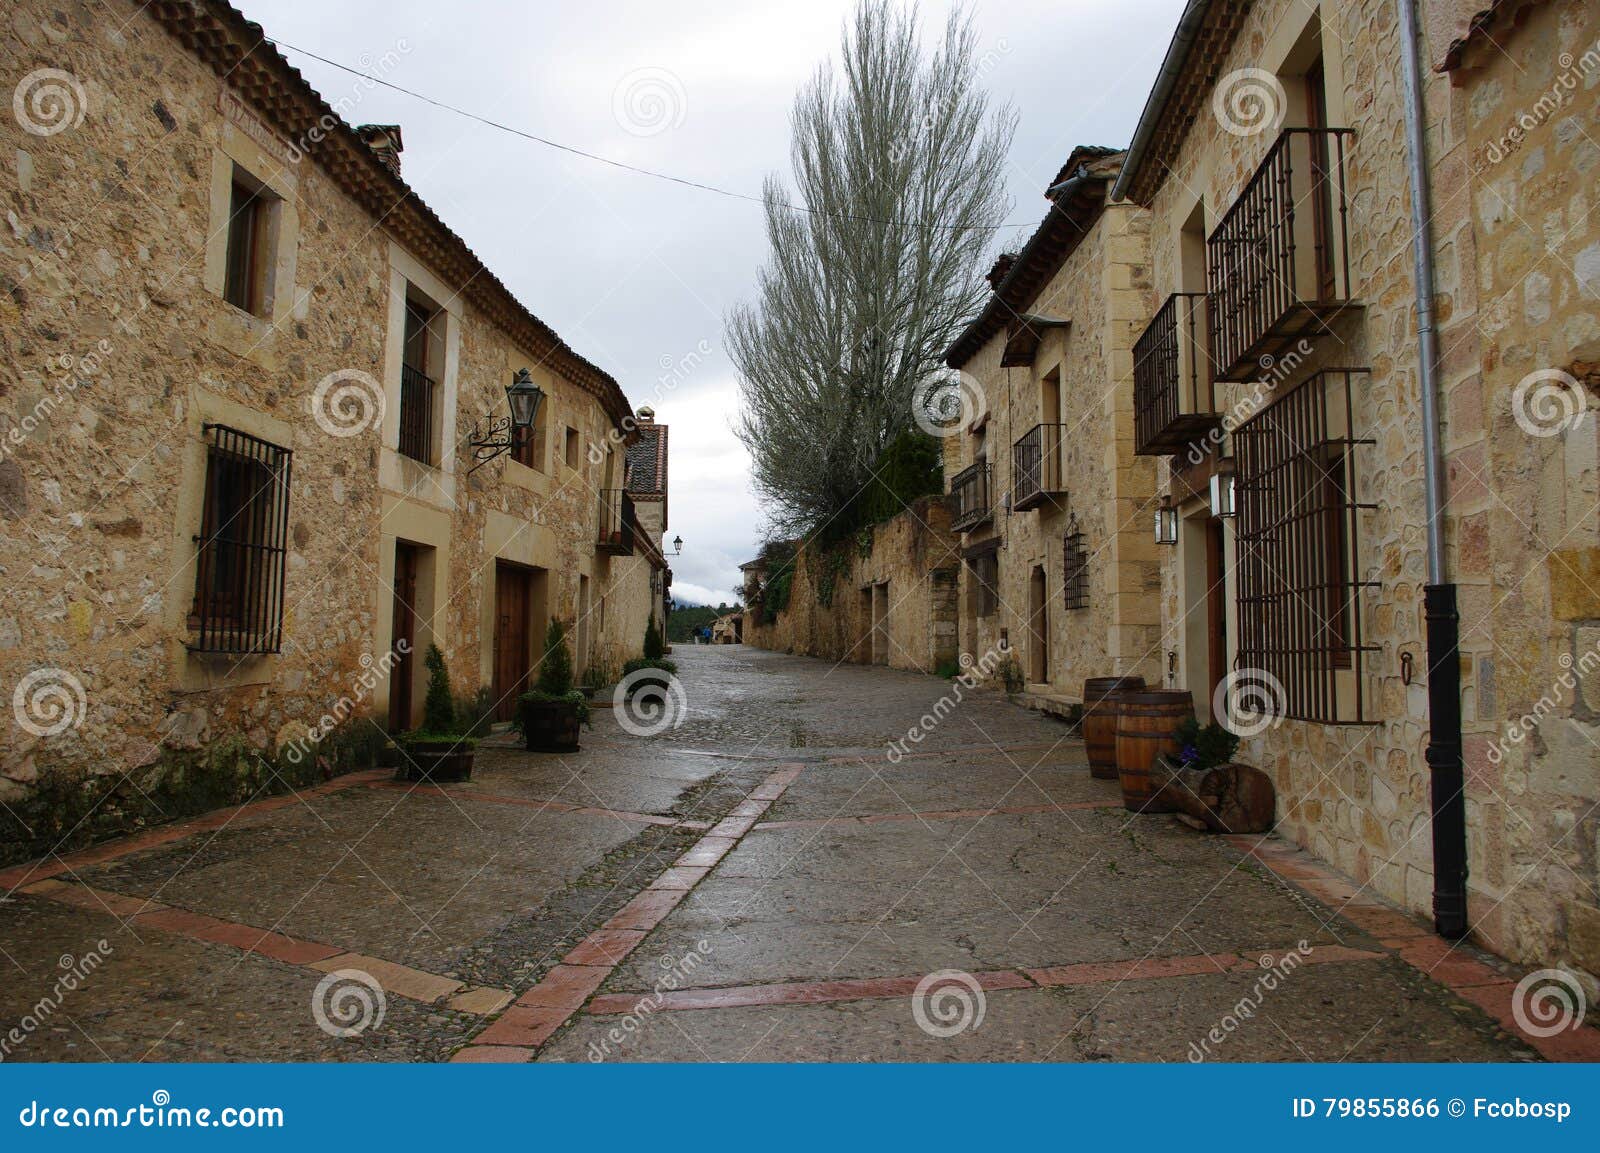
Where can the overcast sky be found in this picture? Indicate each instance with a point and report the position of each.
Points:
(636, 273)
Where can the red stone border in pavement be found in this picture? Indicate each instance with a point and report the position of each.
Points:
(943, 814)
(1417, 945)
(520, 1030)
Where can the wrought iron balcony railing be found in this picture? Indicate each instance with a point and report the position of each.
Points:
(971, 499)
(1037, 469)
(1278, 266)
(617, 522)
(1174, 402)
(416, 414)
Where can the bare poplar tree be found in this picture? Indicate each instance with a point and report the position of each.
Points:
(876, 263)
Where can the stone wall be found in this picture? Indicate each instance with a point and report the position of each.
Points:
(116, 349)
(909, 563)
(1517, 294)
(1103, 289)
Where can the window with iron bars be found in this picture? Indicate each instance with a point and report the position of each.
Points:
(239, 571)
(1298, 564)
(1075, 570)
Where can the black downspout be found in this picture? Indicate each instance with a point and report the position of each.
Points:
(1443, 621)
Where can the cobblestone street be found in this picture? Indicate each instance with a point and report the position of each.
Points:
(760, 883)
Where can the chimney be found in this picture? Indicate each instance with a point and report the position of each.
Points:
(1002, 265)
(646, 415)
(384, 140)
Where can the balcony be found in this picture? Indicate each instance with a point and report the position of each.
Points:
(617, 523)
(1037, 466)
(1174, 403)
(971, 499)
(1278, 266)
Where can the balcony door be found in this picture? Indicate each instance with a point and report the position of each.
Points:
(1321, 183)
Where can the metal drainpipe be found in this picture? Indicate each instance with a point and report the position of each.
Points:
(1443, 621)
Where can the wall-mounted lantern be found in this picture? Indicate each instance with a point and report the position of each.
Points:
(1166, 522)
(523, 397)
(677, 546)
(1224, 495)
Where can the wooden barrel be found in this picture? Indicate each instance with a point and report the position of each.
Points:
(1146, 721)
(1100, 722)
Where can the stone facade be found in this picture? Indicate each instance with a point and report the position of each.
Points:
(122, 355)
(1086, 295)
(1512, 149)
(887, 598)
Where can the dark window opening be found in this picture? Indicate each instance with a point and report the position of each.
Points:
(417, 385)
(245, 275)
(238, 595)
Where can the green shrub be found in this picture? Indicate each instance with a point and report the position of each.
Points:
(654, 649)
(947, 670)
(1011, 675)
(438, 708)
(1204, 746)
(555, 668)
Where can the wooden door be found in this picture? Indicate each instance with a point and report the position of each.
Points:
(1038, 629)
(1216, 610)
(512, 647)
(403, 636)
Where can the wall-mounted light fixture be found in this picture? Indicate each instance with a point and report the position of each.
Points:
(1224, 494)
(499, 436)
(677, 546)
(1166, 522)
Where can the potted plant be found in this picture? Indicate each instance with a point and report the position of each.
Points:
(1208, 788)
(550, 716)
(657, 670)
(440, 750)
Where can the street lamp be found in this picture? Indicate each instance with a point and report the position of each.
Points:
(1224, 495)
(523, 398)
(677, 546)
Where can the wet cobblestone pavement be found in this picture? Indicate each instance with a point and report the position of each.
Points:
(759, 882)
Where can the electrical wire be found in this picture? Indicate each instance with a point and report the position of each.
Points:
(633, 168)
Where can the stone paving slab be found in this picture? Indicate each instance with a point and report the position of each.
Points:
(411, 879)
(1307, 1018)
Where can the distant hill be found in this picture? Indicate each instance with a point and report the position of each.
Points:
(685, 619)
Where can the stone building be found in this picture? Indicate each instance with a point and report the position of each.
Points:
(887, 597)
(647, 491)
(1281, 356)
(1050, 499)
(244, 367)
